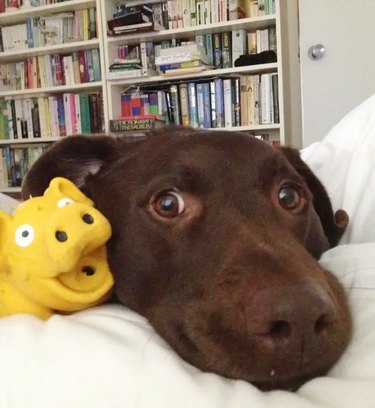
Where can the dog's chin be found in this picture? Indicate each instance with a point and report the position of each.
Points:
(207, 355)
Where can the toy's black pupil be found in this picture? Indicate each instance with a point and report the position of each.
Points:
(88, 219)
(61, 236)
(25, 234)
(88, 270)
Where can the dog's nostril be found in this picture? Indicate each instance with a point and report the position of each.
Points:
(280, 329)
(61, 236)
(88, 270)
(88, 219)
(322, 324)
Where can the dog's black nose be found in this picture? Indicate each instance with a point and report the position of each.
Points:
(295, 318)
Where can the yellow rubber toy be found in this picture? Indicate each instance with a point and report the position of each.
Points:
(52, 254)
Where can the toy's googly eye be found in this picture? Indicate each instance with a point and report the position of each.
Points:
(64, 201)
(24, 235)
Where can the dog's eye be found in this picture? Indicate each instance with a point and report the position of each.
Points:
(168, 204)
(289, 198)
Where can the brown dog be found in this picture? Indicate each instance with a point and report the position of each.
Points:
(215, 240)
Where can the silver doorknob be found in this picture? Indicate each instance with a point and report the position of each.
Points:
(316, 51)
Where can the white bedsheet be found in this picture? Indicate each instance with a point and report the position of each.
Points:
(110, 357)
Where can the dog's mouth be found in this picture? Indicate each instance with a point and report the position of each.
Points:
(238, 355)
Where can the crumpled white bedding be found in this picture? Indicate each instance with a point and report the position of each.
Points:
(110, 357)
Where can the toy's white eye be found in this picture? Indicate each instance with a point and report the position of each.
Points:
(24, 235)
(64, 201)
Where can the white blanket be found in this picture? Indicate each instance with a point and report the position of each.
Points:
(110, 357)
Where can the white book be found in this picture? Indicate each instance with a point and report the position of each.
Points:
(239, 40)
(265, 99)
(215, 11)
(68, 122)
(186, 17)
(227, 89)
(42, 116)
(19, 116)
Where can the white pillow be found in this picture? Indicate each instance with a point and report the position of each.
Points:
(345, 163)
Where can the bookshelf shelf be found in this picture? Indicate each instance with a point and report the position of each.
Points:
(88, 86)
(15, 17)
(264, 68)
(26, 142)
(13, 56)
(10, 190)
(253, 23)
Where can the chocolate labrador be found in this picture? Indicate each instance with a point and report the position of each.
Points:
(216, 237)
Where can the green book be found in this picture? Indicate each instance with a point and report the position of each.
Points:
(85, 113)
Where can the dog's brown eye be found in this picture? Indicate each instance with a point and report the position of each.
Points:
(289, 198)
(168, 204)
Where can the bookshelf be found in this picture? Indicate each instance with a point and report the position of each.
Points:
(111, 89)
(77, 35)
(115, 87)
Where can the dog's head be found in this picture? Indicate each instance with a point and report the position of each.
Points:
(215, 240)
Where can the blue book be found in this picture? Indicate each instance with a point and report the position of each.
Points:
(219, 102)
(61, 115)
(207, 123)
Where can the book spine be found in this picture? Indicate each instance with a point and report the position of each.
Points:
(173, 90)
(217, 50)
(236, 102)
(200, 104)
(227, 91)
(219, 101)
(213, 104)
(192, 100)
(206, 105)
(239, 39)
(184, 104)
(226, 50)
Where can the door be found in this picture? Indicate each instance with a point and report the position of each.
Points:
(344, 75)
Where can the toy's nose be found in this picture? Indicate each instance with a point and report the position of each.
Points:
(62, 236)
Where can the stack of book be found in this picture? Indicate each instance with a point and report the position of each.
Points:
(183, 59)
(134, 18)
(138, 62)
(140, 110)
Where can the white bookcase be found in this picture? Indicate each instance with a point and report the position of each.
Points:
(20, 16)
(107, 45)
(116, 86)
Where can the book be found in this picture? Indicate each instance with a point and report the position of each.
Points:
(239, 42)
(184, 104)
(219, 102)
(181, 71)
(175, 104)
(134, 124)
(226, 49)
(227, 100)
(192, 101)
(217, 50)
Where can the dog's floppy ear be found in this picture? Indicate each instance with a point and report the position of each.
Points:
(75, 158)
(334, 224)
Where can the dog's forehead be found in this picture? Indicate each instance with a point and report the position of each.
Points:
(211, 150)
